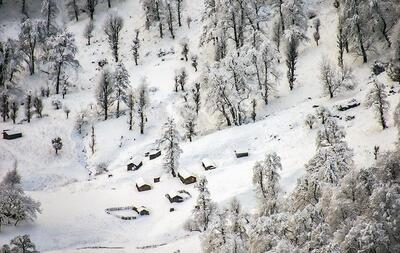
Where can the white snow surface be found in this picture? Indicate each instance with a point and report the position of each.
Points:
(73, 203)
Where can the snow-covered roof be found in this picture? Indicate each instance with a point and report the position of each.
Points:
(241, 151)
(154, 151)
(142, 208)
(208, 162)
(136, 160)
(140, 182)
(11, 131)
(184, 173)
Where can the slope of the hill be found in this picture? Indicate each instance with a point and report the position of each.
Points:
(73, 204)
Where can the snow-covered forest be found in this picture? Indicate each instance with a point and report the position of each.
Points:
(200, 126)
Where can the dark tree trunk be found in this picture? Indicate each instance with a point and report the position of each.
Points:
(58, 78)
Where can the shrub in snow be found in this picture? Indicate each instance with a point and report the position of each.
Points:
(57, 104)
(57, 144)
(310, 120)
(19, 244)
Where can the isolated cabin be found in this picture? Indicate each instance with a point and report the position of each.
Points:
(142, 211)
(154, 154)
(178, 197)
(186, 177)
(156, 179)
(241, 153)
(134, 164)
(208, 164)
(141, 185)
(10, 135)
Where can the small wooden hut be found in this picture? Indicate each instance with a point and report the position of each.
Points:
(11, 135)
(154, 154)
(178, 197)
(134, 164)
(208, 164)
(141, 185)
(241, 153)
(186, 177)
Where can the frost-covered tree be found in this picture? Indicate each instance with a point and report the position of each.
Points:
(62, 55)
(294, 17)
(15, 206)
(91, 7)
(4, 106)
(38, 105)
(237, 237)
(135, 47)
(377, 99)
(112, 29)
(179, 7)
(92, 142)
(195, 63)
(291, 60)
(130, 103)
(143, 103)
(196, 96)
(14, 107)
(215, 238)
(341, 42)
(266, 180)
(335, 81)
(310, 120)
(88, 32)
(182, 78)
(81, 121)
(155, 14)
(204, 210)
(121, 83)
(49, 12)
(185, 49)
(265, 62)
(20, 244)
(316, 34)
(323, 114)
(106, 93)
(28, 42)
(334, 158)
(356, 17)
(189, 116)
(57, 144)
(73, 9)
(170, 144)
(10, 61)
(28, 107)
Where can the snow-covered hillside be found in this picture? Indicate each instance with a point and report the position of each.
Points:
(74, 198)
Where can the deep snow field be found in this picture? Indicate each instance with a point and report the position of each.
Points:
(73, 203)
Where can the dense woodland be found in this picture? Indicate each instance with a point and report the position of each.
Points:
(335, 206)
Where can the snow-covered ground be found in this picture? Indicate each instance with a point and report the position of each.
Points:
(73, 204)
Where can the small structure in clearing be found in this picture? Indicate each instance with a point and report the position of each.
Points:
(127, 212)
(241, 153)
(142, 210)
(10, 135)
(134, 164)
(156, 179)
(141, 185)
(154, 154)
(208, 164)
(178, 197)
(186, 177)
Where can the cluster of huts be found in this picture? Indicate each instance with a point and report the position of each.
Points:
(185, 176)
